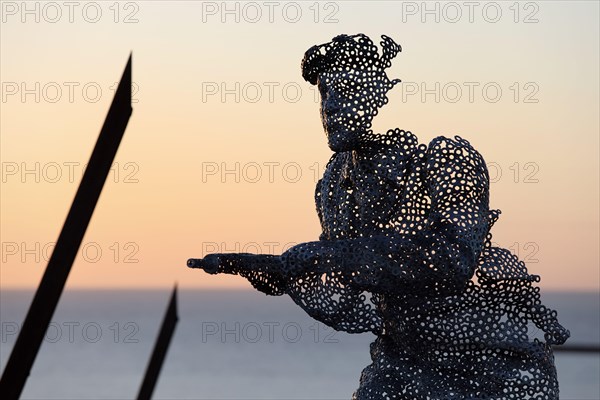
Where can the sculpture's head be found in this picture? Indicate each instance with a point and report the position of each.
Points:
(351, 78)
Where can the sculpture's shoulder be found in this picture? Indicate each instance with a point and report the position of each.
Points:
(455, 170)
(399, 142)
(397, 156)
(454, 153)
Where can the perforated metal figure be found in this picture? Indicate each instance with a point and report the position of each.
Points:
(406, 252)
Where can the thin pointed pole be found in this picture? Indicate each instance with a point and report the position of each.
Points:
(53, 282)
(577, 348)
(160, 349)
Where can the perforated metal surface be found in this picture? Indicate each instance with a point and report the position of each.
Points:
(406, 252)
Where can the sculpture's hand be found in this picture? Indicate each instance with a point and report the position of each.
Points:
(210, 263)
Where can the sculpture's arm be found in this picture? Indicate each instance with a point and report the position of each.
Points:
(437, 259)
(263, 271)
(362, 262)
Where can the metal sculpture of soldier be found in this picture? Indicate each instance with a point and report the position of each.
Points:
(406, 252)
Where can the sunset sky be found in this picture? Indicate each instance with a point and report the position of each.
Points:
(225, 145)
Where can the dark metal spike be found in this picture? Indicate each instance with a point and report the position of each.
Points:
(160, 349)
(53, 282)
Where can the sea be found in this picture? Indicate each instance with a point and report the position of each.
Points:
(230, 344)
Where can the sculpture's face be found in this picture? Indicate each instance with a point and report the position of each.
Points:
(348, 105)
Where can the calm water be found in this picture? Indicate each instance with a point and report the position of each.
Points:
(229, 345)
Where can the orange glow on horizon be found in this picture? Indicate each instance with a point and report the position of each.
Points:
(225, 145)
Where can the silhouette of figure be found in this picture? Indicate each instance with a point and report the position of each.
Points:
(406, 252)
